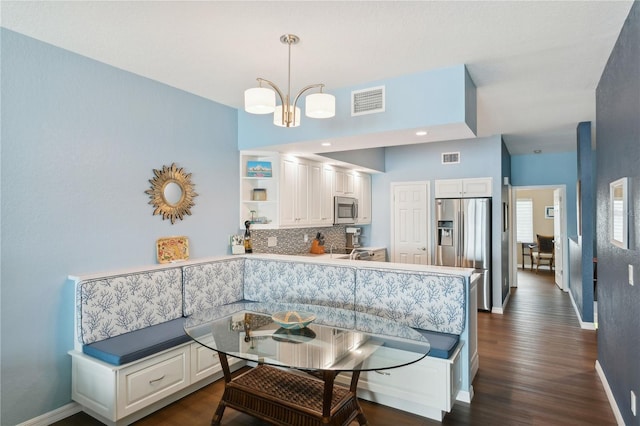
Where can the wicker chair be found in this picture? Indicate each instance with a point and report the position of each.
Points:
(545, 252)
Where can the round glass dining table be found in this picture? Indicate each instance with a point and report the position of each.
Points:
(296, 363)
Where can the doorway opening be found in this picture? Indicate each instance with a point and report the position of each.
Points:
(539, 210)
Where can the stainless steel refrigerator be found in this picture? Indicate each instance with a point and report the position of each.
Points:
(463, 239)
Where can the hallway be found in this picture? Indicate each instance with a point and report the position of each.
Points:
(537, 366)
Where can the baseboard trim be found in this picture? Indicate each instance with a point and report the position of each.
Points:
(54, 416)
(607, 390)
(583, 325)
(465, 396)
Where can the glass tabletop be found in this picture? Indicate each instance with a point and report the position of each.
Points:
(334, 339)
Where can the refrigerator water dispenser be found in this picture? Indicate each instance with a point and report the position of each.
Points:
(445, 233)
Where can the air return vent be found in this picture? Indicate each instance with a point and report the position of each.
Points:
(450, 157)
(367, 101)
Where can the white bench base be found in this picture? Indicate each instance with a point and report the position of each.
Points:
(121, 395)
(428, 388)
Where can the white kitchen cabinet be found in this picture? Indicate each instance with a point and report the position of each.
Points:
(344, 183)
(320, 195)
(306, 193)
(298, 192)
(463, 188)
(326, 195)
(362, 187)
(259, 194)
(294, 195)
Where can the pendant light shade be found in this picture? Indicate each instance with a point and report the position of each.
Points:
(259, 100)
(288, 117)
(320, 105)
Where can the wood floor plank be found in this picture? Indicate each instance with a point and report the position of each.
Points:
(537, 367)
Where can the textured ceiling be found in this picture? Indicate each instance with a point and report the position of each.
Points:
(536, 64)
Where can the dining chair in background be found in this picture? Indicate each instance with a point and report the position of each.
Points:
(545, 252)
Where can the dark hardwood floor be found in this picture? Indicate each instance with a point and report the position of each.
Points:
(537, 367)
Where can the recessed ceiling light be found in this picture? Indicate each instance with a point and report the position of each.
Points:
(537, 151)
(326, 144)
(421, 132)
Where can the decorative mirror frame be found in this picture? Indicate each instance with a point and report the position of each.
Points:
(618, 213)
(176, 175)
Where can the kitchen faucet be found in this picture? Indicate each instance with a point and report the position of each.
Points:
(352, 254)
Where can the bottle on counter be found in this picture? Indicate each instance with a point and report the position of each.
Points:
(247, 238)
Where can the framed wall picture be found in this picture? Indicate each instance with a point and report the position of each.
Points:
(618, 213)
(548, 212)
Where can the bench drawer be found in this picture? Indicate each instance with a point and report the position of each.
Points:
(204, 362)
(145, 383)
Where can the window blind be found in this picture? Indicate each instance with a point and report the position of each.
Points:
(524, 220)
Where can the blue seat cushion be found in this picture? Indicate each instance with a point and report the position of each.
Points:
(138, 344)
(442, 344)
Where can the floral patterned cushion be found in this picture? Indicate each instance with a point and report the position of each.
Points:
(297, 282)
(424, 301)
(213, 284)
(112, 306)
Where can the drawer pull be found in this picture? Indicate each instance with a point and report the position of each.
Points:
(156, 380)
(384, 373)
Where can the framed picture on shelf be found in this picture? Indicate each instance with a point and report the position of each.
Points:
(259, 169)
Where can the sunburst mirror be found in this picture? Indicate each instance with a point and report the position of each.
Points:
(171, 193)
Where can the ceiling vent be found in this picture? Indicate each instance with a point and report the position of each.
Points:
(450, 157)
(367, 101)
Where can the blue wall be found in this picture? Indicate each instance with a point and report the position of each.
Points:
(549, 169)
(618, 155)
(442, 96)
(582, 290)
(505, 235)
(479, 157)
(80, 140)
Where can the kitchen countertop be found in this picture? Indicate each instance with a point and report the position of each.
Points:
(326, 259)
(340, 256)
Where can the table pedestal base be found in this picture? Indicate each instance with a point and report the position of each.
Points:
(285, 398)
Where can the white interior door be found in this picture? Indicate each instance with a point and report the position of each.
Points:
(410, 221)
(558, 235)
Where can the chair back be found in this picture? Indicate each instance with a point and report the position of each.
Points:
(545, 244)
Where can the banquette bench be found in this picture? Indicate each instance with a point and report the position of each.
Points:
(131, 355)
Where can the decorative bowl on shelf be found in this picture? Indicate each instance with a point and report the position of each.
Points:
(293, 320)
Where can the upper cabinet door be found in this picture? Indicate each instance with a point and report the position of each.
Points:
(326, 196)
(362, 187)
(476, 187)
(463, 188)
(315, 193)
(288, 188)
(344, 183)
(448, 188)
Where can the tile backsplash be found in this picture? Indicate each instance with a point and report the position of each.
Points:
(291, 241)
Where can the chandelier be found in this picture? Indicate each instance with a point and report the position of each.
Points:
(262, 100)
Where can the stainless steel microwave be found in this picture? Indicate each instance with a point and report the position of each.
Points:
(345, 210)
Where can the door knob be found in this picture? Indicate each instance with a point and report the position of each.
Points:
(423, 248)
